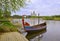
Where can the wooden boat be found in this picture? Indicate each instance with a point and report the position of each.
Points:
(35, 28)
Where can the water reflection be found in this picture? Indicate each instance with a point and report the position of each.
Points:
(37, 35)
(37, 38)
(34, 21)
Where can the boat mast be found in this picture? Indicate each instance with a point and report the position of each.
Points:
(38, 18)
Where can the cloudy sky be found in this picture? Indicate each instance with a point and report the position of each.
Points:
(44, 7)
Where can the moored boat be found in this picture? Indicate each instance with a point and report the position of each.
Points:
(34, 28)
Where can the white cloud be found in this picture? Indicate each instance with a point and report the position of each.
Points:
(44, 7)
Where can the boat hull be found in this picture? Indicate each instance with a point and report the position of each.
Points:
(34, 31)
(35, 28)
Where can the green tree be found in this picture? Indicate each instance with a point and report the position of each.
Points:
(6, 7)
(10, 5)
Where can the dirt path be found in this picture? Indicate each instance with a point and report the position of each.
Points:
(12, 36)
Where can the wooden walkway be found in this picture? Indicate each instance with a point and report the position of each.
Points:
(12, 36)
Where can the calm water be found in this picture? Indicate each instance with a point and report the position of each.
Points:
(52, 33)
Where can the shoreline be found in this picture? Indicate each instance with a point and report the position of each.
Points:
(12, 36)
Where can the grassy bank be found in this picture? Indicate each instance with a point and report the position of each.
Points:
(6, 26)
(57, 18)
(47, 18)
(51, 18)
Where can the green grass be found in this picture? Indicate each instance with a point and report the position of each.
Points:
(50, 18)
(57, 18)
(47, 18)
(7, 27)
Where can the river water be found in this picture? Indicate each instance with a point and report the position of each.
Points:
(52, 33)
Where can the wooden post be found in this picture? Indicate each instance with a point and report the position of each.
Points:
(23, 20)
(38, 18)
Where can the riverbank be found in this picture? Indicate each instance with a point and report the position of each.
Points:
(55, 17)
(12, 36)
(52, 18)
(9, 32)
(7, 26)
